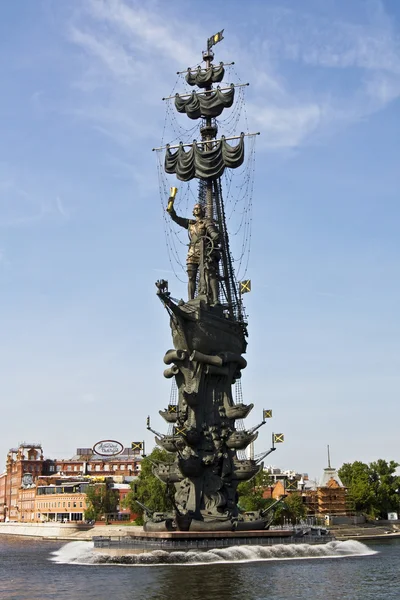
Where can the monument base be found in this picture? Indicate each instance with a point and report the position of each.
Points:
(142, 541)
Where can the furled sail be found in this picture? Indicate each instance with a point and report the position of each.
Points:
(202, 105)
(204, 164)
(205, 77)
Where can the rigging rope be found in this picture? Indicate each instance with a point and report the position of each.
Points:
(238, 183)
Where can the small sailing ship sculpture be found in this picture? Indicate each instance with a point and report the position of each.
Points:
(209, 331)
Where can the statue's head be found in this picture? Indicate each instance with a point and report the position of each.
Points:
(198, 210)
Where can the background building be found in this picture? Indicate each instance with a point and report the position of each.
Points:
(34, 489)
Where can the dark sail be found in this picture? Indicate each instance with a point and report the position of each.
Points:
(205, 77)
(204, 164)
(201, 105)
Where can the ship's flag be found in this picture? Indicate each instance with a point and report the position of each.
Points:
(137, 446)
(180, 430)
(245, 286)
(291, 485)
(214, 39)
(267, 413)
(278, 438)
(172, 408)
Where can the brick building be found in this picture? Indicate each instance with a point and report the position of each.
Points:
(34, 489)
(328, 499)
(23, 466)
(331, 494)
(86, 462)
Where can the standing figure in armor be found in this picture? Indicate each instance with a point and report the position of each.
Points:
(203, 236)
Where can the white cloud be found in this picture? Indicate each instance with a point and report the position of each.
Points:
(285, 127)
(147, 30)
(114, 57)
(382, 88)
(334, 43)
(88, 398)
(21, 203)
(139, 47)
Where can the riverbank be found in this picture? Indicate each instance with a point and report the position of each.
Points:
(70, 532)
(64, 531)
(367, 531)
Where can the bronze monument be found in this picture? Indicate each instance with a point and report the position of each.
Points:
(209, 333)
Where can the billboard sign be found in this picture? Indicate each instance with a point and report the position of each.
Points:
(108, 448)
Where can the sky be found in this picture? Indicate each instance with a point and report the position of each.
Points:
(82, 238)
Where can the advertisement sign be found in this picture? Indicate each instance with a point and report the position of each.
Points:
(108, 448)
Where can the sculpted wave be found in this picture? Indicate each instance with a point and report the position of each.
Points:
(84, 553)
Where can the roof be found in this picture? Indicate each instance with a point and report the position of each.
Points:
(330, 473)
(87, 455)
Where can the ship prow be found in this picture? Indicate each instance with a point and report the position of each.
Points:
(197, 325)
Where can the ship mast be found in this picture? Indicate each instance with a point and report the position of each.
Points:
(215, 208)
(213, 200)
(209, 132)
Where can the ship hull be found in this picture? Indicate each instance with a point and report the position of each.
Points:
(209, 334)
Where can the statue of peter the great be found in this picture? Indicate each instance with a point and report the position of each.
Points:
(204, 237)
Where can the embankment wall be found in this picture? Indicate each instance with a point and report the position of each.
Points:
(47, 530)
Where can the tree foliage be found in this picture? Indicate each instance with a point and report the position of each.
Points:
(251, 492)
(373, 489)
(148, 489)
(100, 501)
(251, 498)
(291, 510)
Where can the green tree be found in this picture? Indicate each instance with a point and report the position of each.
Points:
(251, 492)
(360, 495)
(372, 489)
(291, 510)
(148, 489)
(386, 486)
(101, 500)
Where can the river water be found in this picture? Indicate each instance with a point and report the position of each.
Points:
(43, 570)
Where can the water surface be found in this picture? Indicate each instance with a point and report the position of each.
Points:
(43, 570)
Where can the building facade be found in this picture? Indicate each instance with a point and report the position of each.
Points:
(35, 489)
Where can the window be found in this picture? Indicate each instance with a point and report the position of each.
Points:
(106, 467)
(75, 468)
(115, 467)
(80, 504)
(69, 468)
(89, 467)
(69, 504)
(74, 504)
(97, 467)
(130, 467)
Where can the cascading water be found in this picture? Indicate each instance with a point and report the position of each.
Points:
(83, 553)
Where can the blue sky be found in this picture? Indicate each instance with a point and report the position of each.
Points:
(81, 228)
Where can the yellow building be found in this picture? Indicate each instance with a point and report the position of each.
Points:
(62, 501)
(331, 494)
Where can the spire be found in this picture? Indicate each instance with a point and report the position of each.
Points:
(329, 458)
